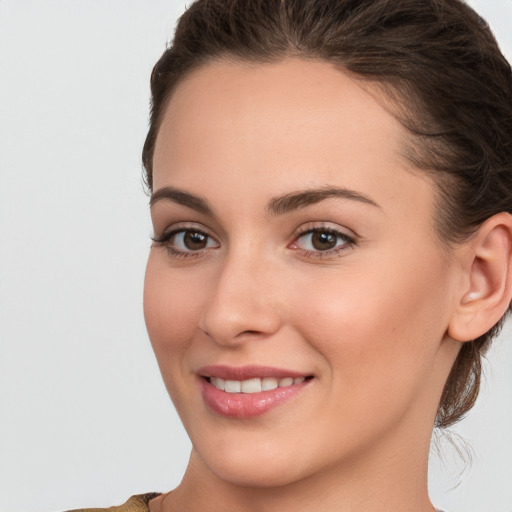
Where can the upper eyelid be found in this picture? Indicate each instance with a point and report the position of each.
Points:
(184, 226)
(172, 223)
(348, 238)
(333, 227)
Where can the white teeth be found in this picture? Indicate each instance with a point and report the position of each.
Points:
(251, 386)
(218, 382)
(232, 386)
(269, 383)
(255, 385)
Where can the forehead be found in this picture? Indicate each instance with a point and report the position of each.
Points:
(297, 98)
(260, 126)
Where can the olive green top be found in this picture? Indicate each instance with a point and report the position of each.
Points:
(137, 503)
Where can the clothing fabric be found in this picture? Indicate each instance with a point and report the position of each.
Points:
(138, 503)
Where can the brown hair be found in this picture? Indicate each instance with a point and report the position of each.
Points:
(438, 63)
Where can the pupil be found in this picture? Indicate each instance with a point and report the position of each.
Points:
(323, 240)
(194, 240)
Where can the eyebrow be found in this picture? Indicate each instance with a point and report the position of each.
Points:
(295, 200)
(277, 206)
(181, 197)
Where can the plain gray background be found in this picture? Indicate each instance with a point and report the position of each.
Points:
(84, 417)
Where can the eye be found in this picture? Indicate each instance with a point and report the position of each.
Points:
(186, 242)
(322, 241)
(190, 240)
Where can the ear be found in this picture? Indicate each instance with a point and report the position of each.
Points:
(486, 287)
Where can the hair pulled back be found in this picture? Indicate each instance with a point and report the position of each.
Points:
(438, 64)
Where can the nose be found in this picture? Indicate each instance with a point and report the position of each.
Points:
(243, 301)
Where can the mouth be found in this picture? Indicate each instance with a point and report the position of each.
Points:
(255, 385)
(246, 392)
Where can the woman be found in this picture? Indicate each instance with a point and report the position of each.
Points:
(330, 186)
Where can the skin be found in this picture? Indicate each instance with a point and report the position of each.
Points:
(370, 322)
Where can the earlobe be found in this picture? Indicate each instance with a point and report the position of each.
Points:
(487, 285)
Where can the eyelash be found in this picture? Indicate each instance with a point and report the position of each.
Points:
(165, 240)
(309, 230)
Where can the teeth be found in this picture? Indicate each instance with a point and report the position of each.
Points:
(217, 382)
(251, 386)
(254, 385)
(233, 386)
(269, 383)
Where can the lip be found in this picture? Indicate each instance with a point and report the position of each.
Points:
(247, 372)
(247, 405)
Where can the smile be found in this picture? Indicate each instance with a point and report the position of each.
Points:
(255, 385)
(250, 391)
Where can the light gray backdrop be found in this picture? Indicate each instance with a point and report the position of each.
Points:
(84, 418)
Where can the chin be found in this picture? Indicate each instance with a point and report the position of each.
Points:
(253, 465)
(257, 474)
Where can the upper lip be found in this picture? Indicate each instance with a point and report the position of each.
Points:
(247, 372)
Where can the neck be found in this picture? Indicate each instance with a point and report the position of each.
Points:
(391, 477)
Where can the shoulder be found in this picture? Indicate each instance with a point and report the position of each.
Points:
(138, 503)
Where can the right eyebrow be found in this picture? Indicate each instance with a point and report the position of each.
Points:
(184, 198)
(295, 200)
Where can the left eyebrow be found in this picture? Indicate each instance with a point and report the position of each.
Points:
(181, 197)
(295, 200)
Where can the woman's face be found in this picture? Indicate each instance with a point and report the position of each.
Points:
(295, 248)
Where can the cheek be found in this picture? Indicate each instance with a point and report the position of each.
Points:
(379, 329)
(171, 309)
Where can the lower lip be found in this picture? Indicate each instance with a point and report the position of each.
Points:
(247, 405)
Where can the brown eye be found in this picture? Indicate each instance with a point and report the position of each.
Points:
(195, 240)
(186, 241)
(323, 240)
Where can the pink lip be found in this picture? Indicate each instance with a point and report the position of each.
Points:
(246, 372)
(247, 405)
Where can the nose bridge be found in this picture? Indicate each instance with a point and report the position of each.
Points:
(242, 298)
